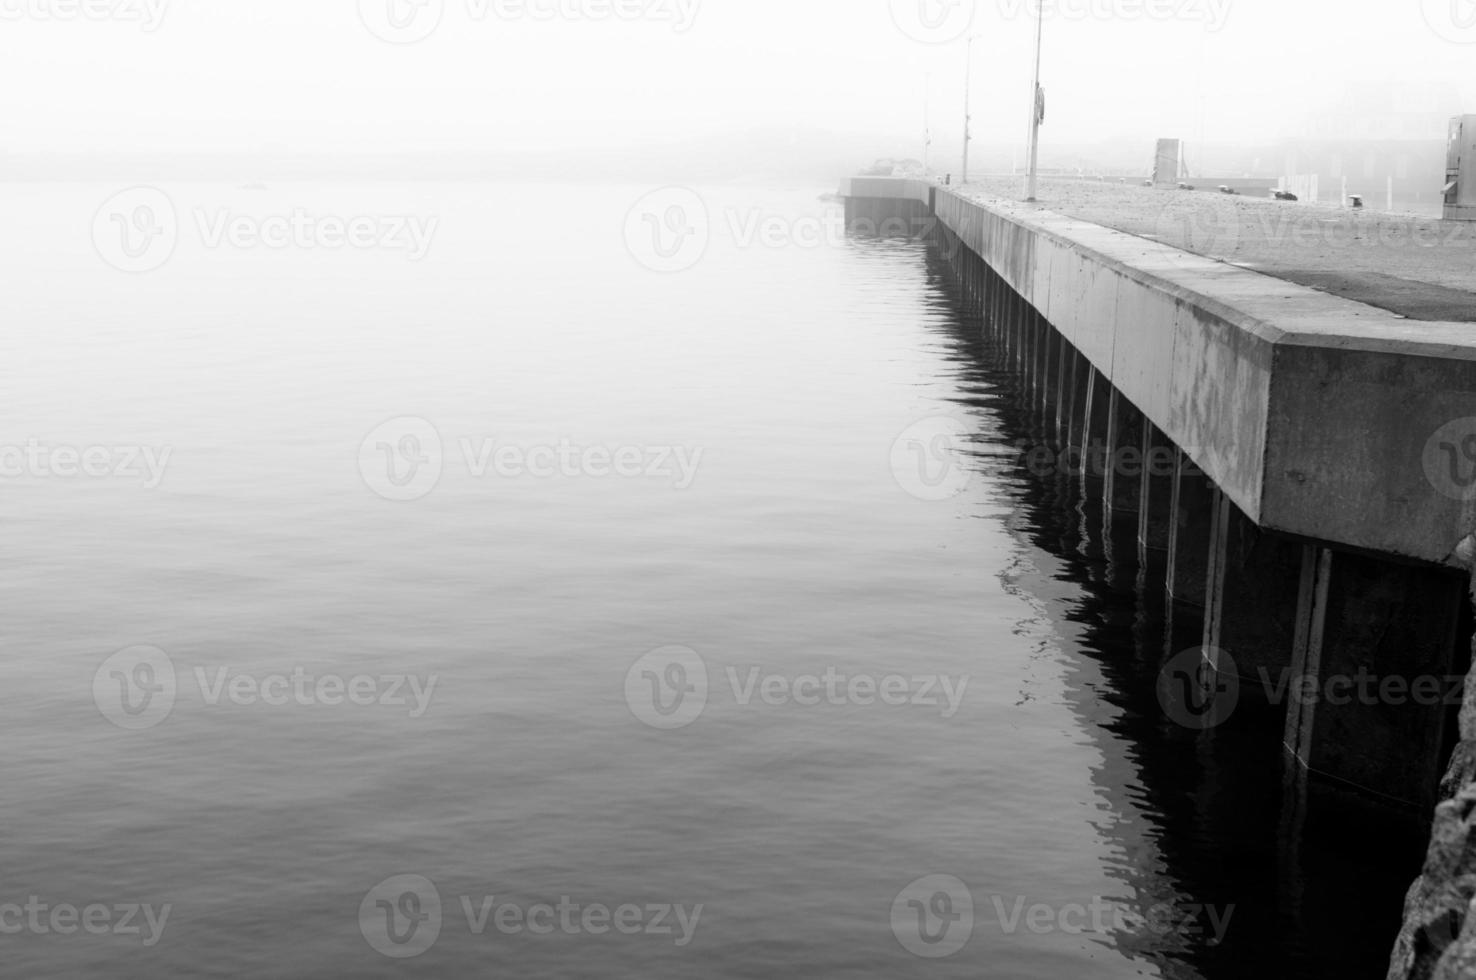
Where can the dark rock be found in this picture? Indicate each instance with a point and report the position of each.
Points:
(1468, 708)
(1462, 771)
(1459, 961)
(1437, 908)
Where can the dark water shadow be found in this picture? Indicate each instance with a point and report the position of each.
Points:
(1315, 876)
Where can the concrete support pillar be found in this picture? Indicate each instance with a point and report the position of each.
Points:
(986, 296)
(1081, 463)
(1011, 318)
(1038, 341)
(1155, 493)
(1017, 329)
(992, 299)
(1189, 532)
(1187, 572)
(1094, 430)
(981, 290)
(1001, 296)
(1027, 354)
(1251, 612)
(965, 267)
(1006, 304)
(1096, 420)
(1088, 460)
(986, 292)
(1002, 309)
(1022, 335)
(1050, 342)
(1063, 384)
(1122, 489)
(1122, 486)
(1036, 337)
(1071, 397)
(1374, 688)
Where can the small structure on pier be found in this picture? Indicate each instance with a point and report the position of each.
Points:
(1460, 170)
(1166, 163)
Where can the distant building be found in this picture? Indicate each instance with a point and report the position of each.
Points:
(1375, 132)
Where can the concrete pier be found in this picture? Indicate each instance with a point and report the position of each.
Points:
(1303, 472)
(1156, 491)
(1376, 652)
(1192, 509)
(1252, 578)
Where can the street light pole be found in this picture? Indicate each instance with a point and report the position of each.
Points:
(968, 88)
(1033, 180)
(927, 123)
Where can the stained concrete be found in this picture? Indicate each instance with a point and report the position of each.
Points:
(1417, 266)
(1313, 413)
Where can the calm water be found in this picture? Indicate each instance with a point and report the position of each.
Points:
(532, 775)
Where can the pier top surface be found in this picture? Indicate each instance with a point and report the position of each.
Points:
(1319, 414)
(1418, 267)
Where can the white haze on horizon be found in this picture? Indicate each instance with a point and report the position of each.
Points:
(311, 77)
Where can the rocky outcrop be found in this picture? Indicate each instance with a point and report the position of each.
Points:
(1438, 941)
(1439, 935)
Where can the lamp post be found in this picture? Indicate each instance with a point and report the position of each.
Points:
(1033, 180)
(927, 123)
(968, 86)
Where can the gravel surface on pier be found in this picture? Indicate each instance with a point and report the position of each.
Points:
(1420, 267)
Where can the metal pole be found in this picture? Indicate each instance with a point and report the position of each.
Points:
(1033, 182)
(968, 84)
(927, 123)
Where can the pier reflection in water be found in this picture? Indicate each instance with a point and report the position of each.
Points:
(1315, 874)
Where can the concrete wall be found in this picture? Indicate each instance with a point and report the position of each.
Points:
(1312, 413)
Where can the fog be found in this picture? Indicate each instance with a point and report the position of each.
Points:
(832, 79)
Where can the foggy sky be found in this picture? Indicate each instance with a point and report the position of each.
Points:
(309, 75)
